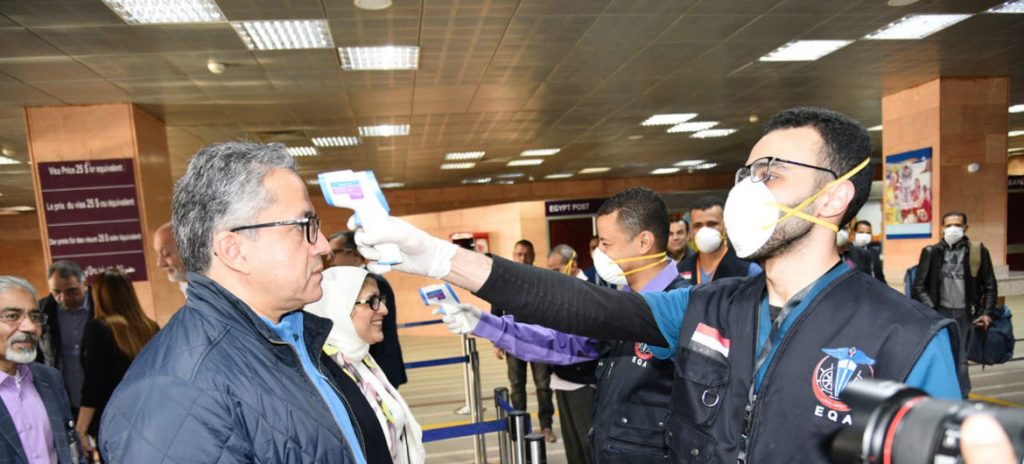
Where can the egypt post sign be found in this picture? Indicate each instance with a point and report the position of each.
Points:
(92, 215)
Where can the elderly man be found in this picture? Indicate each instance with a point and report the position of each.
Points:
(35, 417)
(167, 256)
(68, 308)
(239, 374)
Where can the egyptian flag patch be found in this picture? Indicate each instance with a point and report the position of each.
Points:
(708, 341)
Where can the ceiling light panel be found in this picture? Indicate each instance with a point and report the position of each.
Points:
(302, 151)
(712, 133)
(479, 180)
(1019, 108)
(705, 166)
(594, 170)
(510, 175)
(1008, 7)
(560, 175)
(805, 50)
(541, 152)
(670, 119)
(392, 185)
(384, 130)
(525, 162)
(692, 126)
(452, 166)
(877, 128)
(284, 35)
(1015, 133)
(167, 11)
(464, 155)
(379, 58)
(335, 141)
(689, 163)
(913, 27)
(5, 160)
(661, 171)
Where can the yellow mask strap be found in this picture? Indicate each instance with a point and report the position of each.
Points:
(798, 209)
(664, 257)
(568, 265)
(639, 258)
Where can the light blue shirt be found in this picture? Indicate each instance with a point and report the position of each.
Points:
(934, 372)
(290, 330)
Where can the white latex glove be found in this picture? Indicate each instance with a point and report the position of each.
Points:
(460, 318)
(422, 253)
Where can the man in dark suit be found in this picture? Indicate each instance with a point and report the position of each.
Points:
(863, 253)
(387, 353)
(68, 308)
(35, 416)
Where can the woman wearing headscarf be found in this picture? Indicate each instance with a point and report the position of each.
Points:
(353, 302)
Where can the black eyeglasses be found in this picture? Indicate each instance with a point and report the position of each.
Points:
(310, 224)
(375, 302)
(761, 169)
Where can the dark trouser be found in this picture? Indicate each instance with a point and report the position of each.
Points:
(575, 415)
(541, 379)
(965, 325)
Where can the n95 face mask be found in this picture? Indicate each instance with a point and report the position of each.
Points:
(862, 239)
(842, 237)
(608, 269)
(708, 240)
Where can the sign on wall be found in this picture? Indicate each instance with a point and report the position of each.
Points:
(573, 207)
(92, 215)
(907, 188)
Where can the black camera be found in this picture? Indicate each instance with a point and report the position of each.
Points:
(897, 424)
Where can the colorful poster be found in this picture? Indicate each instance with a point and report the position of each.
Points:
(92, 215)
(908, 194)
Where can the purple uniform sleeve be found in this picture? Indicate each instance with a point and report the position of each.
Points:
(534, 343)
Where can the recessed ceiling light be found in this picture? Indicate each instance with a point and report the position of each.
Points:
(6, 160)
(392, 185)
(689, 163)
(916, 26)
(560, 175)
(635, 137)
(384, 130)
(18, 209)
(669, 119)
(451, 166)
(805, 50)
(510, 175)
(302, 151)
(478, 180)
(1015, 133)
(464, 155)
(712, 133)
(877, 128)
(1015, 150)
(379, 58)
(597, 170)
(165, 12)
(1018, 108)
(525, 162)
(340, 141)
(284, 34)
(505, 182)
(900, 2)
(692, 126)
(373, 5)
(540, 152)
(660, 171)
(1016, 6)
(705, 166)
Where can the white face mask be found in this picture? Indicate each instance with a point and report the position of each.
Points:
(708, 240)
(862, 239)
(953, 234)
(750, 216)
(842, 237)
(608, 269)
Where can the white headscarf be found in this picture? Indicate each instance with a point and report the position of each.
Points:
(341, 285)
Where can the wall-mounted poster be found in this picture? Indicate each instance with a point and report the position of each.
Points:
(908, 194)
(92, 216)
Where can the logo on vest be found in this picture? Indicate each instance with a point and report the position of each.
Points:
(641, 354)
(688, 275)
(831, 376)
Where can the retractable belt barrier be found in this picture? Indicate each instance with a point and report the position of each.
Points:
(407, 325)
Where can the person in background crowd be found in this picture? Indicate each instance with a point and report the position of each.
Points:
(357, 309)
(760, 362)
(111, 341)
(68, 308)
(167, 256)
(955, 277)
(35, 416)
(679, 240)
(714, 259)
(523, 253)
(387, 352)
(239, 373)
(859, 253)
(590, 273)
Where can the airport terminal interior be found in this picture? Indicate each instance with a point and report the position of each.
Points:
(487, 122)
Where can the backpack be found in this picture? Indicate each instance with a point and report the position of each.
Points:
(995, 345)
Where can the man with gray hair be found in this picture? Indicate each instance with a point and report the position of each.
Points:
(240, 369)
(68, 308)
(35, 417)
(167, 256)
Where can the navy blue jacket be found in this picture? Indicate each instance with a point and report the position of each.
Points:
(50, 386)
(217, 386)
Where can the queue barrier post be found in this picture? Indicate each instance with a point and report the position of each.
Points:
(520, 423)
(536, 449)
(501, 396)
(476, 407)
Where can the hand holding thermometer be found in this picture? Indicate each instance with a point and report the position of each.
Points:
(447, 302)
(358, 191)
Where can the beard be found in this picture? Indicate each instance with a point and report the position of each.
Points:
(21, 356)
(788, 235)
